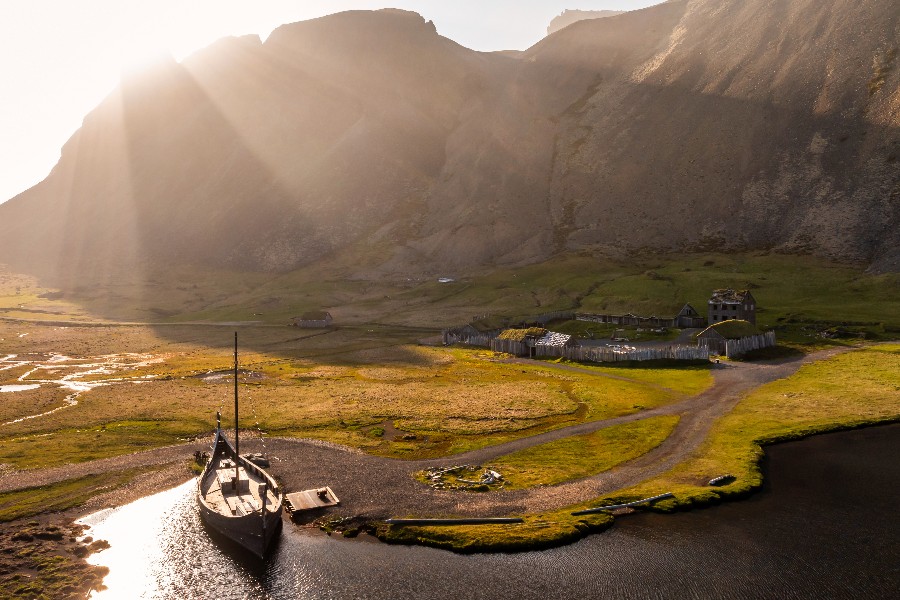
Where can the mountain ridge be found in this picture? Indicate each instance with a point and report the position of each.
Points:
(690, 125)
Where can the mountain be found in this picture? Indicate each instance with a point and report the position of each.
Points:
(567, 17)
(723, 125)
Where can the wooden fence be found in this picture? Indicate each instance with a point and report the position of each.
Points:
(606, 354)
(743, 345)
(451, 337)
(601, 353)
(510, 347)
(628, 320)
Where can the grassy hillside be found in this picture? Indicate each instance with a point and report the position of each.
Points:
(793, 293)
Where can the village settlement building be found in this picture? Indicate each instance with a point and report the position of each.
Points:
(533, 342)
(728, 304)
(687, 317)
(734, 337)
(313, 319)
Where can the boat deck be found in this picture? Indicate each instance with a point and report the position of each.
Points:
(224, 497)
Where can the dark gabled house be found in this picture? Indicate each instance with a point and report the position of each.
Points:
(688, 317)
(728, 304)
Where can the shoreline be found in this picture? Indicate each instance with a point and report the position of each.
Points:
(58, 533)
(590, 524)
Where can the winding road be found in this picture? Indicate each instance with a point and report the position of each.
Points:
(377, 487)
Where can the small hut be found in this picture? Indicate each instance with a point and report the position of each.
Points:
(313, 319)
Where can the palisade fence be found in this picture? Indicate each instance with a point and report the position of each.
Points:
(510, 347)
(628, 320)
(743, 345)
(601, 353)
(452, 337)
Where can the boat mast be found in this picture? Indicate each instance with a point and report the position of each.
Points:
(237, 452)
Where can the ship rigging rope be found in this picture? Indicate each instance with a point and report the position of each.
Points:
(255, 420)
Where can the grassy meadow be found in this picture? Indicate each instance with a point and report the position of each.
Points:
(581, 456)
(434, 400)
(370, 383)
(799, 295)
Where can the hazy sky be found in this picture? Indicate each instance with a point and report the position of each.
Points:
(59, 58)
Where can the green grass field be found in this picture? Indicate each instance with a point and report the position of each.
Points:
(369, 374)
(798, 294)
(60, 496)
(584, 455)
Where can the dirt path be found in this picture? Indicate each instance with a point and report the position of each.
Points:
(377, 487)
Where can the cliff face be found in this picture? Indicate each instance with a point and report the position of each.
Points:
(728, 124)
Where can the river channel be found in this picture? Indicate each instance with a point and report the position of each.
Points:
(824, 526)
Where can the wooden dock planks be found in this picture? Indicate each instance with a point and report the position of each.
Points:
(311, 499)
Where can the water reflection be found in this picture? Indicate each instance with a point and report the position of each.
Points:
(826, 528)
(14, 387)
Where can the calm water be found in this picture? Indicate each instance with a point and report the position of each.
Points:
(826, 526)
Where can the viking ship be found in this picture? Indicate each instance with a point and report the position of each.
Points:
(237, 498)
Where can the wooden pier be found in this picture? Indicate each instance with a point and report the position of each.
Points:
(322, 497)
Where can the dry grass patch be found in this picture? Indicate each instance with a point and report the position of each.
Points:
(452, 399)
(15, 405)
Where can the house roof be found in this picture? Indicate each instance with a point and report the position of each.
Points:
(313, 315)
(519, 335)
(729, 296)
(552, 338)
(687, 309)
(733, 329)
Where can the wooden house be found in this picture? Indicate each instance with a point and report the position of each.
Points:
(532, 342)
(728, 304)
(734, 337)
(313, 319)
(688, 317)
(479, 332)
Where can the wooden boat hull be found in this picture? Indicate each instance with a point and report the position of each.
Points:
(244, 531)
(253, 529)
